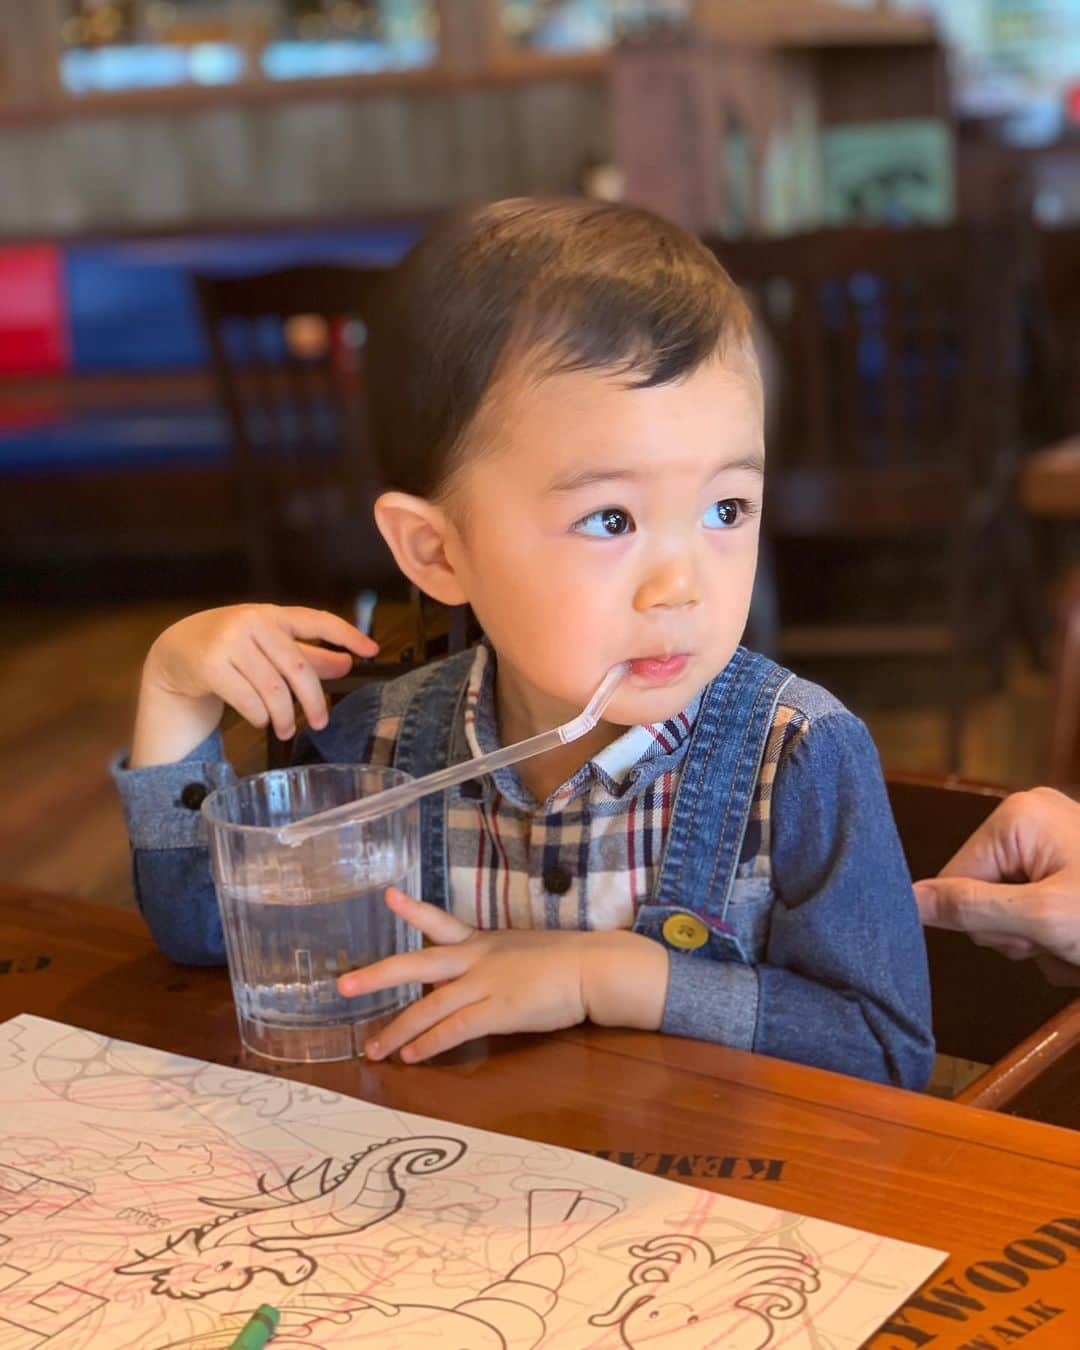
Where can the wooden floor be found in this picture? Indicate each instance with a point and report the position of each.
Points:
(67, 686)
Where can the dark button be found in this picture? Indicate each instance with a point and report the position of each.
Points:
(557, 880)
(473, 789)
(193, 796)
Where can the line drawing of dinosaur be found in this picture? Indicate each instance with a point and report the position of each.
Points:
(510, 1313)
(269, 1231)
(683, 1296)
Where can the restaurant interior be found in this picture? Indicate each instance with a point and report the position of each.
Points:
(199, 196)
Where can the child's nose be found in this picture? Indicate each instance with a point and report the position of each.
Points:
(670, 585)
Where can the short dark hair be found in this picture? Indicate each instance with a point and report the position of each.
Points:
(583, 285)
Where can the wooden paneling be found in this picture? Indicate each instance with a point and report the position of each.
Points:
(809, 22)
(395, 150)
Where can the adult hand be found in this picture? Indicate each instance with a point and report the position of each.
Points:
(1015, 885)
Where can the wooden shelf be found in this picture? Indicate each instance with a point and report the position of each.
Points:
(510, 68)
(809, 23)
(476, 55)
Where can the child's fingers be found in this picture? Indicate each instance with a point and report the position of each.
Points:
(327, 662)
(270, 685)
(423, 967)
(419, 1018)
(291, 665)
(231, 685)
(430, 920)
(301, 622)
(467, 1024)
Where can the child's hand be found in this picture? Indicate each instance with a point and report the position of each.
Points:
(256, 658)
(509, 980)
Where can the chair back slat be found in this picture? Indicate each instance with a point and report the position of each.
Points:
(286, 348)
(1059, 325)
(906, 351)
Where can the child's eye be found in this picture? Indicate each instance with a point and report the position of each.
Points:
(606, 523)
(723, 515)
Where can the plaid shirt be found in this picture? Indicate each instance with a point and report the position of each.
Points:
(840, 982)
(589, 855)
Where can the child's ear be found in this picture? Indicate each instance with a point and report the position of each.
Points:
(416, 531)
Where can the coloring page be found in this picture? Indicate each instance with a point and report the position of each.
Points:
(150, 1200)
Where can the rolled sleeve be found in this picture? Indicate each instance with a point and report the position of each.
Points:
(170, 863)
(712, 1001)
(161, 801)
(839, 977)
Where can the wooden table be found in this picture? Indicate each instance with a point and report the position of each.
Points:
(1001, 1194)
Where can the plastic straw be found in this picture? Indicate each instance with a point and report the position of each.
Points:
(367, 808)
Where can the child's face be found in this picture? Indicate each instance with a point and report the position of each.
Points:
(607, 524)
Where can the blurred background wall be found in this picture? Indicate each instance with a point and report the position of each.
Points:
(164, 113)
(121, 113)
(896, 184)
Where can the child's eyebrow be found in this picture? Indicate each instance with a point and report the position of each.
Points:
(571, 482)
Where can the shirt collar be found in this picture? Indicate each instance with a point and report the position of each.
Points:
(627, 765)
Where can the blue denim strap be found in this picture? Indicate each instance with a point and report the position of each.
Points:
(423, 745)
(716, 787)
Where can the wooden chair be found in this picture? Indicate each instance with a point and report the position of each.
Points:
(287, 350)
(986, 1008)
(1040, 1078)
(1064, 752)
(1050, 492)
(895, 423)
(1059, 274)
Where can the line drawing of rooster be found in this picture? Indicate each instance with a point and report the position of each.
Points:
(682, 1296)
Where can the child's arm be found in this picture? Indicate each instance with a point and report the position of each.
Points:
(253, 657)
(257, 658)
(844, 983)
(509, 980)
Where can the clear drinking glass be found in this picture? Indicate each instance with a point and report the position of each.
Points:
(296, 917)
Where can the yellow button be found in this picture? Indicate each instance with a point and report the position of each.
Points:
(685, 932)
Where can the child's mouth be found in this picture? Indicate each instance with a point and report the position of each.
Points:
(659, 669)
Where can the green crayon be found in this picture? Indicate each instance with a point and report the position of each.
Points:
(258, 1329)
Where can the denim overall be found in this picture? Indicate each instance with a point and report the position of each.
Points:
(831, 973)
(699, 904)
